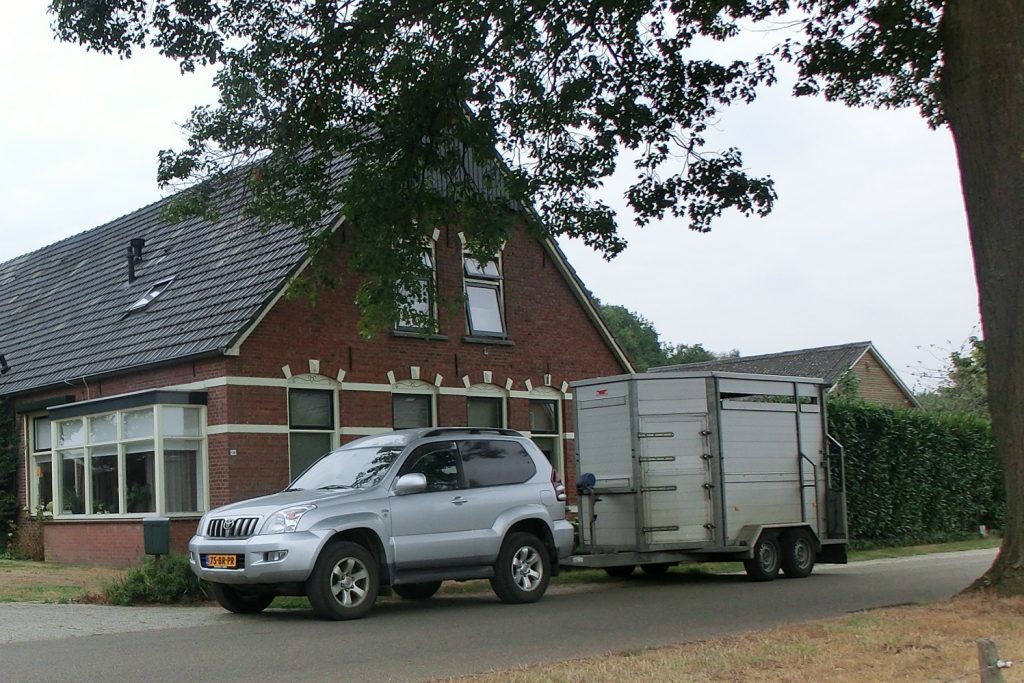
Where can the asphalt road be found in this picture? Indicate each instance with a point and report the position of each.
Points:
(447, 635)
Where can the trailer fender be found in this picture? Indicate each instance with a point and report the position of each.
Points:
(749, 535)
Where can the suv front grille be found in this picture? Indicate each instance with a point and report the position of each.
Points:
(231, 527)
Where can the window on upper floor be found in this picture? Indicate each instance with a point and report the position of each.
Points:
(421, 303)
(484, 297)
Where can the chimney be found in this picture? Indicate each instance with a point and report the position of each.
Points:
(134, 256)
(137, 244)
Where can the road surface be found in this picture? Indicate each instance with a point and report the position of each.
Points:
(447, 635)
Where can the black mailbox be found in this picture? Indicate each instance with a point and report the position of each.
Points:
(156, 535)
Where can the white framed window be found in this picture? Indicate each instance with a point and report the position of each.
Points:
(311, 427)
(41, 454)
(421, 303)
(486, 406)
(149, 459)
(485, 309)
(546, 429)
(413, 404)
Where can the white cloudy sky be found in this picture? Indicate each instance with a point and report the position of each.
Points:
(868, 240)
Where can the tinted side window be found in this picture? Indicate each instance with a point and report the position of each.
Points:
(438, 462)
(493, 463)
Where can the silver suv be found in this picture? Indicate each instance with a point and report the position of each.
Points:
(398, 512)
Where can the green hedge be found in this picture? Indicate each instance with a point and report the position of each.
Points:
(916, 477)
(8, 475)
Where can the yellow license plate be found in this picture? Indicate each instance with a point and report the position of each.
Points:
(221, 561)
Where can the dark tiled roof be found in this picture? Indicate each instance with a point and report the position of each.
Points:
(826, 362)
(63, 308)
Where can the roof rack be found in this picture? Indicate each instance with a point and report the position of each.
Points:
(441, 431)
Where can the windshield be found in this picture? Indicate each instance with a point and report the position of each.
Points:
(348, 468)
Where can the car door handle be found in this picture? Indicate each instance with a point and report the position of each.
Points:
(459, 500)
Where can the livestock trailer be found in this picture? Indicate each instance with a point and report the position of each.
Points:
(707, 466)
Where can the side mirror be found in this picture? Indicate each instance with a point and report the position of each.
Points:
(414, 482)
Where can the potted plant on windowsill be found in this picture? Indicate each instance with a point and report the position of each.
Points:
(139, 498)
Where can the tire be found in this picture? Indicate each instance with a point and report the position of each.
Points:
(344, 582)
(239, 602)
(798, 554)
(416, 591)
(765, 564)
(620, 572)
(522, 571)
(656, 569)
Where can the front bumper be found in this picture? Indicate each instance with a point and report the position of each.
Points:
(257, 565)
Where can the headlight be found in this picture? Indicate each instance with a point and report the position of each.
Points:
(286, 520)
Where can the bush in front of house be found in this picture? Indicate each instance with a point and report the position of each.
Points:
(164, 581)
(916, 477)
(8, 478)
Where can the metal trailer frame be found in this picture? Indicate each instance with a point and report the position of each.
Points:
(821, 474)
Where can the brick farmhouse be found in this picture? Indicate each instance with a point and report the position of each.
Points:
(159, 369)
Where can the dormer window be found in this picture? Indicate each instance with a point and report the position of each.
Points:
(484, 309)
(154, 291)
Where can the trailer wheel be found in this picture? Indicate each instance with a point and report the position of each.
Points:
(798, 555)
(656, 568)
(765, 564)
(620, 572)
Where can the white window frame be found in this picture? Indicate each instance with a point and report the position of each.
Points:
(489, 391)
(35, 457)
(316, 383)
(479, 278)
(419, 388)
(430, 285)
(547, 394)
(121, 442)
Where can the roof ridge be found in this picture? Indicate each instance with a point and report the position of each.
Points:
(797, 352)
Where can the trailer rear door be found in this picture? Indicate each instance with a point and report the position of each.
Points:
(677, 505)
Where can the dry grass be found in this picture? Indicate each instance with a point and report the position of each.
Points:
(25, 581)
(922, 643)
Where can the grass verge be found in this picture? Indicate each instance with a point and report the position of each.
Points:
(935, 642)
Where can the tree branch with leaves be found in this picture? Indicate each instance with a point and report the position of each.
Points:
(565, 92)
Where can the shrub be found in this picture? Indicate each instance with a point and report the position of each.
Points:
(915, 477)
(165, 580)
(8, 476)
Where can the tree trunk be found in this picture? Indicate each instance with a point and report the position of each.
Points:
(983, 93)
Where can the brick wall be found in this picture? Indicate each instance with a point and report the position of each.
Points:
(549, 331)
(877, 385)
(116, 543)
